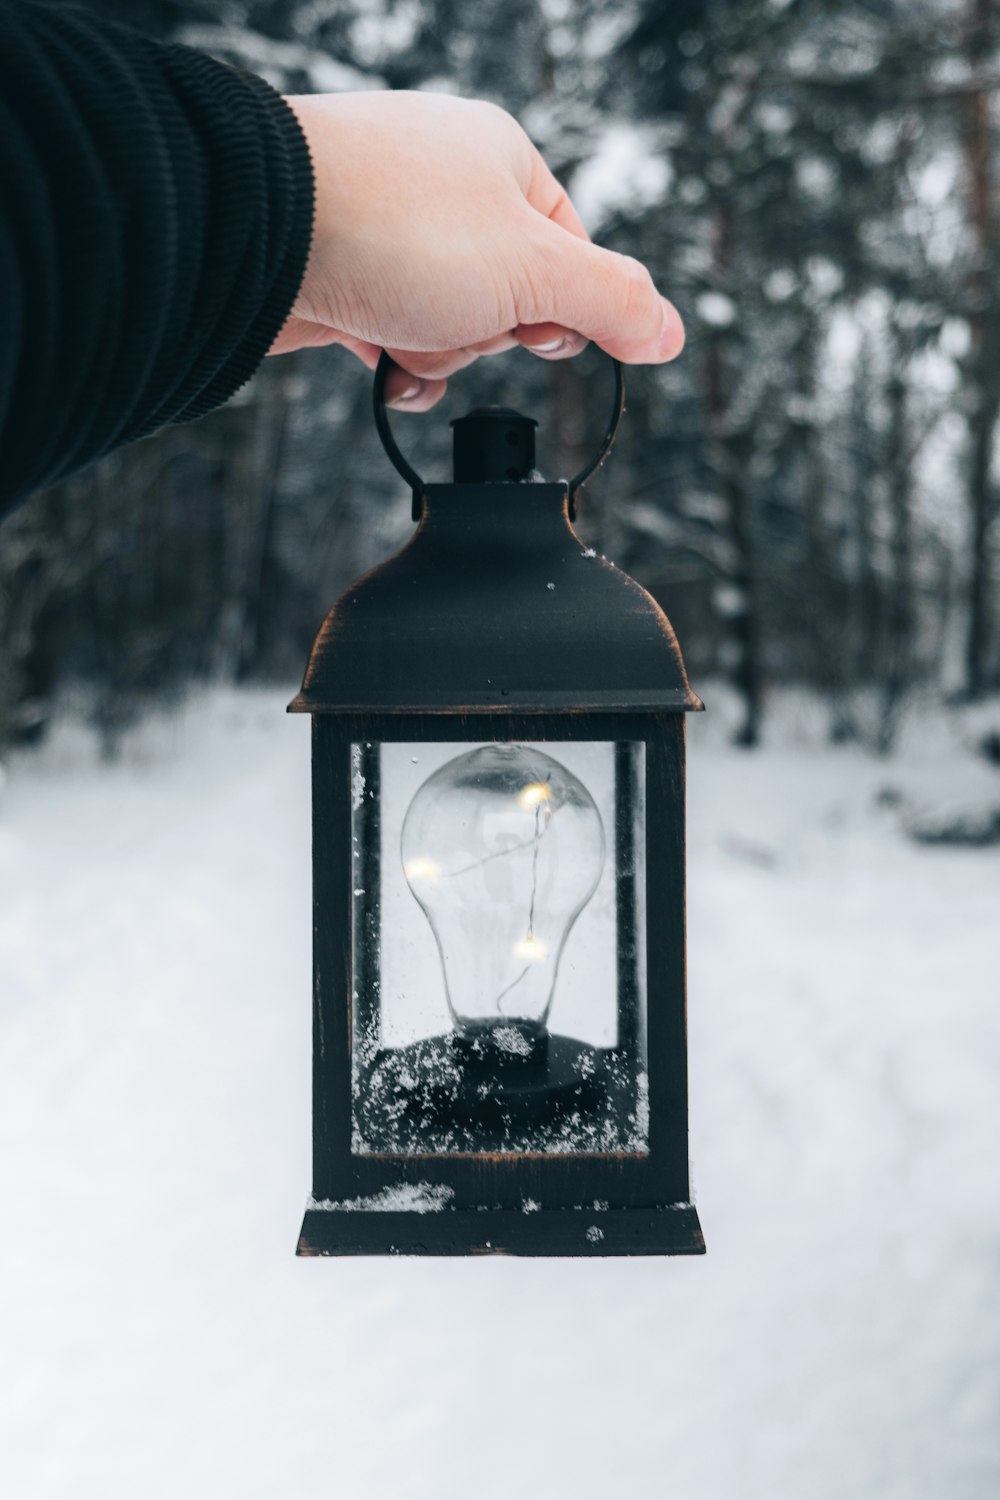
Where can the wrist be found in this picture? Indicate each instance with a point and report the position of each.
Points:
(312, 114)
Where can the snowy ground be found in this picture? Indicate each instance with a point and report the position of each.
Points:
(840, 1341)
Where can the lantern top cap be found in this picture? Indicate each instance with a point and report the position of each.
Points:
(501, 414)
(493, 445)
(494, 414)
(494, 607)
(477, 440)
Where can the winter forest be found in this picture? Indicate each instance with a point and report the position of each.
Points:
(810, 491)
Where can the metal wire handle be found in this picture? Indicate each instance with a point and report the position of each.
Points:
(417, 485)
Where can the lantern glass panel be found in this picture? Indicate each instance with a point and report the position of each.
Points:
(498, 950)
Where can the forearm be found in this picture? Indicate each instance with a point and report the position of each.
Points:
(154, 227)
(155, 231)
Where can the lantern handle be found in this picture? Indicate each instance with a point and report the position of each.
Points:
(417, 485)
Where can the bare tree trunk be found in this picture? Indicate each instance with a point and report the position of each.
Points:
(863, 470)
(254, 454)
(900, 611)
(278, 411)
(984, 364)
(982, 508)
(24, 589)
(568, 391)
(240, 492)
(743, 617)
(822, 608)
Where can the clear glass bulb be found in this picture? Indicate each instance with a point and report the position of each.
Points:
(502, 847)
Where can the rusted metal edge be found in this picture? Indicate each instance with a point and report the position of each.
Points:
(674, 700)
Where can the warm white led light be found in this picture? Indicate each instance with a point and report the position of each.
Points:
(534, 794)
(421, 869)
(530, 949)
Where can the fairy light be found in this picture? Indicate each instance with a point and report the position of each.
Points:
(419, 868)
(533, 794)
(530, 949)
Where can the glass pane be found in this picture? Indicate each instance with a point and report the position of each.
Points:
(499, 952)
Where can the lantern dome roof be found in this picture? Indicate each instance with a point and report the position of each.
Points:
(495, 604)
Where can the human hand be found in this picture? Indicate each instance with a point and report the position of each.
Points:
(441, 235)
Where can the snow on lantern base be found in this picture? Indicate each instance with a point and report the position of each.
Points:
(596, 1229)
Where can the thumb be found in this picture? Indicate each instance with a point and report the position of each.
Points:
(601, 295)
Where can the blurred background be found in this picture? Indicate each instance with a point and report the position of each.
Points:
(811, 492)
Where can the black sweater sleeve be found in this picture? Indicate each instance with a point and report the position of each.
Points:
(155, 215)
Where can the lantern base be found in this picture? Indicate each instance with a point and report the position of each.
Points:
(341, 1230)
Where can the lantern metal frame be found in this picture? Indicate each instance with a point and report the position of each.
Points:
(644, 1198)
(496, 623)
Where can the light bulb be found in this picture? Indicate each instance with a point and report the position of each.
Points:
(502, 847)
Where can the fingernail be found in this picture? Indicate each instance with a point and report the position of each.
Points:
(409, 393)
(667, 325)
(552, 347)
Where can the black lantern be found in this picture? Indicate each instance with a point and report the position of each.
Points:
(498, 850)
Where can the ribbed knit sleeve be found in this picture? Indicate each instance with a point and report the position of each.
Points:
(155, 216)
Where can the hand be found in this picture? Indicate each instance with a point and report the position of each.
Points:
(440, 235)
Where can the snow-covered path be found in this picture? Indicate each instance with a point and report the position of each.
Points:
(840, 1341)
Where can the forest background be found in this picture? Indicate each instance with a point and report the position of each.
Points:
(810, 491)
